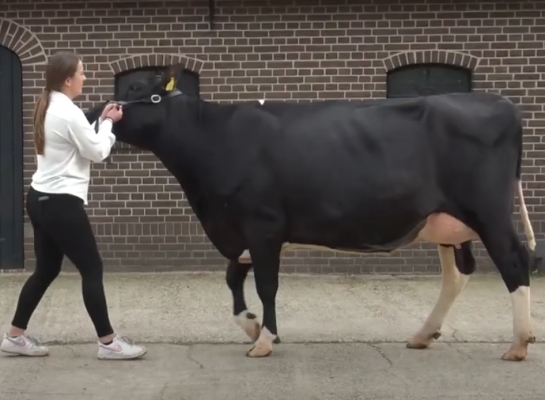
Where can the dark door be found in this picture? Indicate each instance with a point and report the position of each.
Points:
(11, 161)
(428, 79)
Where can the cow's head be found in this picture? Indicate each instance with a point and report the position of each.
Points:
(146, 107)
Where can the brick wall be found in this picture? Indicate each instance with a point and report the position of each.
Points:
(297, 50)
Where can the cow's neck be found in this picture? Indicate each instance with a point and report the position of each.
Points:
(188, 139)
(190, 150)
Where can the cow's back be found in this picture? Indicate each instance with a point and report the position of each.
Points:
(387, 134)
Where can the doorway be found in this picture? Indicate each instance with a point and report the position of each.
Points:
(11, 162)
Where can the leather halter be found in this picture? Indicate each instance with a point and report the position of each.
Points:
(153, 99)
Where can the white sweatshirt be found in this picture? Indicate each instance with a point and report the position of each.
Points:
(70, 145)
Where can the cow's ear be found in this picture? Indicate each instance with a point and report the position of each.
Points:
(170, 77)
(170, 85)
(167, 76)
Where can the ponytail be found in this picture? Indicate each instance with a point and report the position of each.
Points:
(39, 118)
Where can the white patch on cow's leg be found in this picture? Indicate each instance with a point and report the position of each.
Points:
(264, 345)
(249, 324)
(453, 282)
(245, 257)
(522, 325)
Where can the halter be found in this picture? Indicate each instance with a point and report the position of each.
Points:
(153, 99)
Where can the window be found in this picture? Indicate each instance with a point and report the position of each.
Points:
(188, 81)
(427, 79)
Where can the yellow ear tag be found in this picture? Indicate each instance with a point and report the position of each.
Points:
(170, 86)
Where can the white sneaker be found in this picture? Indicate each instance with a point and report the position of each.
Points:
(23, 345)
(121, 348)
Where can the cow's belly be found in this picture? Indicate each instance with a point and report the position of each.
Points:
(440, 228)
(443, 228)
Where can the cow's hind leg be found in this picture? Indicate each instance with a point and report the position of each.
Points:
(236, 276)
(456, 266)
(512, 260)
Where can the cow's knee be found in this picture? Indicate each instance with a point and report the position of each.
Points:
(236, 274)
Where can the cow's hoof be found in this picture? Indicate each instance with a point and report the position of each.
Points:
(263, 346)
(518, 352)
(260, 350)
(277, 340)
(422, 342)
(515, 353)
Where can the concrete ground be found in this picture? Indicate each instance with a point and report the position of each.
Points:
(342, 338)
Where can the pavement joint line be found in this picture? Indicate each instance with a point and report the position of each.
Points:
(294, 342)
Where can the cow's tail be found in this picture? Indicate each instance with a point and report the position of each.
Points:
(528, 230)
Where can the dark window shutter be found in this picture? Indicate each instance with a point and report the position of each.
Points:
(427, 79)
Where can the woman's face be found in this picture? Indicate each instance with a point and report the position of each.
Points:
(74, 84)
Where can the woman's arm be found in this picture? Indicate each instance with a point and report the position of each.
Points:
(93, 146)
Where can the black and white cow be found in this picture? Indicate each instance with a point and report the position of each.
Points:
(361, 176)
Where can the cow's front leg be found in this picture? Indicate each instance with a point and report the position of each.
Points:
(453, 282)
(236, 276)
(266, 262)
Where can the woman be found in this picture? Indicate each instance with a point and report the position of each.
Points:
(66, 144)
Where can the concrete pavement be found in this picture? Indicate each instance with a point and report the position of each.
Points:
(296, 371)
(197, 352)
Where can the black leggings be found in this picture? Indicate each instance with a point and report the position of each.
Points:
(61, 227)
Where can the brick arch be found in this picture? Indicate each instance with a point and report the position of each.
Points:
(22, 42)
(145, 60)
(431, 56)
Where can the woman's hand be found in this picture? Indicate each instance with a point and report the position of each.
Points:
(116, 113)
(107, 109)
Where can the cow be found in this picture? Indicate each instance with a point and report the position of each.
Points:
(362, 176)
